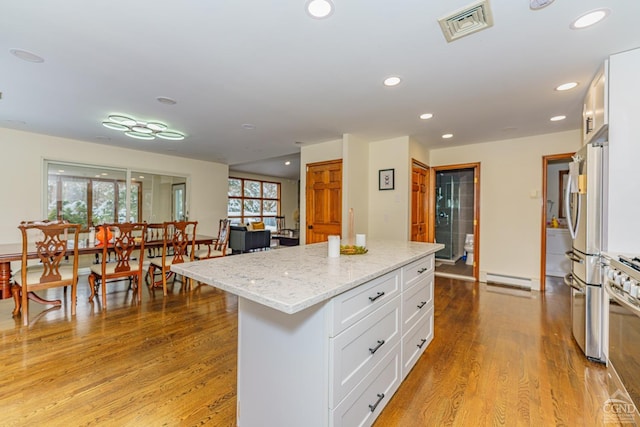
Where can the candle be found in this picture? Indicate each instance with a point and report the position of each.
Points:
(334, 246)
(351, 230)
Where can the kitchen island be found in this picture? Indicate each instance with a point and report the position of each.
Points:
(324, 341)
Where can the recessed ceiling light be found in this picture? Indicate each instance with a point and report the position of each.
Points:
(567, 86)
(590, 18)
(287, 163)
(392, 81)
(426, 116)
(26, 55)
(447, 136)
(319, 8)
(166, 100)
(248, 126)
(557, 118)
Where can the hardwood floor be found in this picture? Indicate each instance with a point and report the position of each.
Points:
(499, 357)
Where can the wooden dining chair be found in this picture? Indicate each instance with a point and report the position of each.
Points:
(50, 240)
(218, 248)
(177, 247)
(128, 248)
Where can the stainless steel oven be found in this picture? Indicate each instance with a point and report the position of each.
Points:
(622, 284)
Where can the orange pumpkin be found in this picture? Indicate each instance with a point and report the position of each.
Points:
(100, 235)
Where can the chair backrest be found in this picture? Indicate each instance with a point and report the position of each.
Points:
(155, 236)
(51, 240)
(128, 238)
(223, 236)
(179, 238)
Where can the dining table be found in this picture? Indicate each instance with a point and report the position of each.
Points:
(10, 252)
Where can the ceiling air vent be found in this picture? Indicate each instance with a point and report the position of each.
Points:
(466, 21)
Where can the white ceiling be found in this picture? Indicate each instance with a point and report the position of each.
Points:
(298, 80)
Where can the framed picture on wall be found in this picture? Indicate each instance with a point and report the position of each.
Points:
(385, 179)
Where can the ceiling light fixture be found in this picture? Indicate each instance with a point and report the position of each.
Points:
(392, 81)
(447, 136)
(319, 9)
(25, 55)
(590, 18)
(287, 163)
(539, 4)
(426, 116)
(166, 100)
(141, 130)
(567, 86)
(557, 118)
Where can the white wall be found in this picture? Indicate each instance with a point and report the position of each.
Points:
(510, 198)
(288, 194)
(23, 177)
(390, 210)
(355, 186)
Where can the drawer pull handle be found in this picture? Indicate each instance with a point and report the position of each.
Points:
(422, 304)
(378, 295)
(422, 343)
(374, 349)
(375, 405)
(422, 270)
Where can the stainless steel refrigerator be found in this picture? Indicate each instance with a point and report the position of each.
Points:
(585, 202)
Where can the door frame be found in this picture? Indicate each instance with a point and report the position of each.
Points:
(543, 215)
(476, 207)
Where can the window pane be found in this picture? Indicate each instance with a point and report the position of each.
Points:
(72, 204)
(104, 199)
(269, 207)
(122, 202)
(251, 207)
(252, 189)
(234, 208)
(235, 187)
(270, 190)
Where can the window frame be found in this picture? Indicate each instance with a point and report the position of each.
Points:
(244, 218)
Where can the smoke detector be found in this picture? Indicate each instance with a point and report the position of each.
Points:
(471, 19)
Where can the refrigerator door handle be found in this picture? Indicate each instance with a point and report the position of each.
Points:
(568, 280)
(573, 228)
(573, 257)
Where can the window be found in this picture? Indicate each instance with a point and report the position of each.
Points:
(252, 200)
(90, 196)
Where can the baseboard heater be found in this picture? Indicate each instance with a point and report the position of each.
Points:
(503, 279)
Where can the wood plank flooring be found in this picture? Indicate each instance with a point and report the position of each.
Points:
(499, 357)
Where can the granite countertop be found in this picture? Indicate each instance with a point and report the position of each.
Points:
(294, 278)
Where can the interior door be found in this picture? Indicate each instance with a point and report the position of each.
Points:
(419, 200)
(324, 200)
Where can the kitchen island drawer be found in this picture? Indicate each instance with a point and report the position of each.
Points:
(416, 340)
(363, 405)
(355, 352)
(413, 272)
(417, 301)
(348, 308)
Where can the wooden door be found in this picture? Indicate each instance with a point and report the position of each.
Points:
(324, 200)
(419, 202)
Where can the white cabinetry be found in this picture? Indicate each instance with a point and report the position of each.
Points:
(595, 112)
(558, 243)
(336, 363)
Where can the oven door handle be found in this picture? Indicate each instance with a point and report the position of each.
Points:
(620, 300)
(568, 280)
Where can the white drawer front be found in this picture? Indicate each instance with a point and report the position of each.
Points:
(411, 273)
(363, 405)
(417, 301)
(355, 352)
(353, 305)
(416, 340)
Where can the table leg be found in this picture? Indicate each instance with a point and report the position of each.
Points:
(5, 279)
